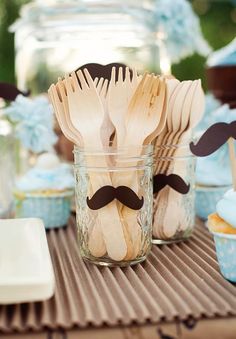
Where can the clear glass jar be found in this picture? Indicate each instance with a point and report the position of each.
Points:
(7, 167)
(52, 38)
(114, 199)
(174, 203)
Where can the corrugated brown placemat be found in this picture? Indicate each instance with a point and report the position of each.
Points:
(177, 281)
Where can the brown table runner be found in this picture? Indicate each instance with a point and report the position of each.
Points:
(177, 281)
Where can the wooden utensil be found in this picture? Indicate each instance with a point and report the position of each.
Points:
(58, 106)
(107, 128)
(85, 106)
(96, 243)
(171, 86)
(140, 121)
(162, 112)
(160, 226)
(119, 95)
(61, 89)
(193, 95)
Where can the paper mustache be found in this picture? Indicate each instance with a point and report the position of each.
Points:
(172, 180)
(103, 71)
(107, 194)
(9, 91)
(213, 138)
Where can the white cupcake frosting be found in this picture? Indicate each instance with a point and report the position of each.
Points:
(226, 207)
(48, 174)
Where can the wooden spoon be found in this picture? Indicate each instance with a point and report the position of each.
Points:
(171, 224)
(176, 103)
(190, 116)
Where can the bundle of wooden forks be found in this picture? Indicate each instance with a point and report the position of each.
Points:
(134, 110)
(90, 112)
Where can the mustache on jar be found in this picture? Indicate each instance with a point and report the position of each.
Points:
(213, 138)
(107, 194)
(172, 180)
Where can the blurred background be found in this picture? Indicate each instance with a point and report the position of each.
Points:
(43, 39)
(217, 18)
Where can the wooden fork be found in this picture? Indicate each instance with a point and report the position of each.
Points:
(87, 114)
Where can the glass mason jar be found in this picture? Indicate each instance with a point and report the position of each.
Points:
(114, 200)
(53, 38)
(7, 167)
(174, 194)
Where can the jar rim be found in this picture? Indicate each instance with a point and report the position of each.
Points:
(174, 146)
(112, 150)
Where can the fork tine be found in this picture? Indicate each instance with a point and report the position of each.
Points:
(148, 84)
(154, 90)
(74, 81)
(55, 101)
(162, 93)
(89, 79)
(138, 92)
(61, 89)
(142, 83)
(104, 88)
(135, 76)
(61, 85)
(82, 80)
(95, 81)
(58, 92)
(120, 74)
(68, 84)
(127, 75)
(50, 94)
(100, 83)
(155, 87)
(113, 76)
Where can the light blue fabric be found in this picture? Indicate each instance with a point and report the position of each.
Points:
(179, 25)
(33, 119)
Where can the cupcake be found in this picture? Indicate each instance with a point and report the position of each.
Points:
(45, 192)
(222, 225)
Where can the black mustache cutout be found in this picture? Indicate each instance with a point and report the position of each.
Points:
(107, 194)
(9, 92)
(172, 180)
(103, 71)
(213, 138)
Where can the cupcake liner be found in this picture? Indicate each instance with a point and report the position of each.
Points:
(207, 198)
(53, 209)
(226, 254)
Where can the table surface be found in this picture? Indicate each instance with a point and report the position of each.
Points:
(178, 283)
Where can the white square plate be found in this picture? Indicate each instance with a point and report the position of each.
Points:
(26, 272)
